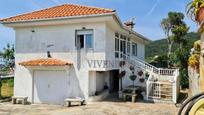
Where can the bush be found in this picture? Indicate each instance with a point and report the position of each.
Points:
(10, 82)
(184, 78)
(181, 60)
(4, 81)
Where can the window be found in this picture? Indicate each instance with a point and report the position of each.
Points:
(84, 39)
(117, 45)
(128, 48)
(134, 49)
(116, 48)
(122, 45)
(89, 40)
(81, 41)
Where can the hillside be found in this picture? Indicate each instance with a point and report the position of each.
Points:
(159, 47)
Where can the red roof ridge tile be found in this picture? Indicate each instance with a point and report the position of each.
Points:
(108, 9)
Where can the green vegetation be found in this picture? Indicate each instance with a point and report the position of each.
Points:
(7, 55)
(7, 87)
(156, 54)
(159, 47)
(174, 50)
(174, 29)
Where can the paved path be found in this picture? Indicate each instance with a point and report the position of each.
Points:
(95, 108)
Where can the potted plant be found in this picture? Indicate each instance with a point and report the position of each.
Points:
(146, 75)
(133, 78)
(140, 73)
(142, 80)
(194, 59)
(122, 63)
(132, 69)
(194, 9)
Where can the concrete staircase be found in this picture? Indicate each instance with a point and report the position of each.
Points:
(162, 84)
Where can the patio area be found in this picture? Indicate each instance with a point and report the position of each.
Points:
(110, 106)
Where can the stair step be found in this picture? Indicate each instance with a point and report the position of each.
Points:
(166, 91)
(165, 99)
(167, 94)
(164, 95)
(165, 87)
(165, 83)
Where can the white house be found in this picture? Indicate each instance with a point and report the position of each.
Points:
(72, 51)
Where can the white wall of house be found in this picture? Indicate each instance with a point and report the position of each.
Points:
(32, 42)
(110, 53)
(100, 81)
(32, 45)
(127, 81)
(92, 83)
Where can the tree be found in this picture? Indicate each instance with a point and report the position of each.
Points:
(166, 26)
(8, 56)
(133, 78)
(179, 33)
(180, 58)
(169, 24)
(181, 55)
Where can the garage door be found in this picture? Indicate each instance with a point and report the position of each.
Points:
(50, 87)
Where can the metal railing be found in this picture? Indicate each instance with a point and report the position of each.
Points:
(154, 90)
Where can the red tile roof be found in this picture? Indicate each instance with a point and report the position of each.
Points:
(45, 62)
(66, 10)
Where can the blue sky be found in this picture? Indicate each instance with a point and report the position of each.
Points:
(148, 13)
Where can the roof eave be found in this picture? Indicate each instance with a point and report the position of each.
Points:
(130, 30)
(57, 18)
(9, 23)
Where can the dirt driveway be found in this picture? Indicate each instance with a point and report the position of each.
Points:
(95, 108)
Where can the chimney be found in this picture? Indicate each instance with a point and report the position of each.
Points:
(130, 24)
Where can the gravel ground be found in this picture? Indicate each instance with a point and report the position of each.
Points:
(94, 108)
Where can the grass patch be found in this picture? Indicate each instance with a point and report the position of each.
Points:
(7, 87)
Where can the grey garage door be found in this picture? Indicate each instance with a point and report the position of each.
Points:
(50, 87)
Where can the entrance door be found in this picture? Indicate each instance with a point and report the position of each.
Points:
(114, 81)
